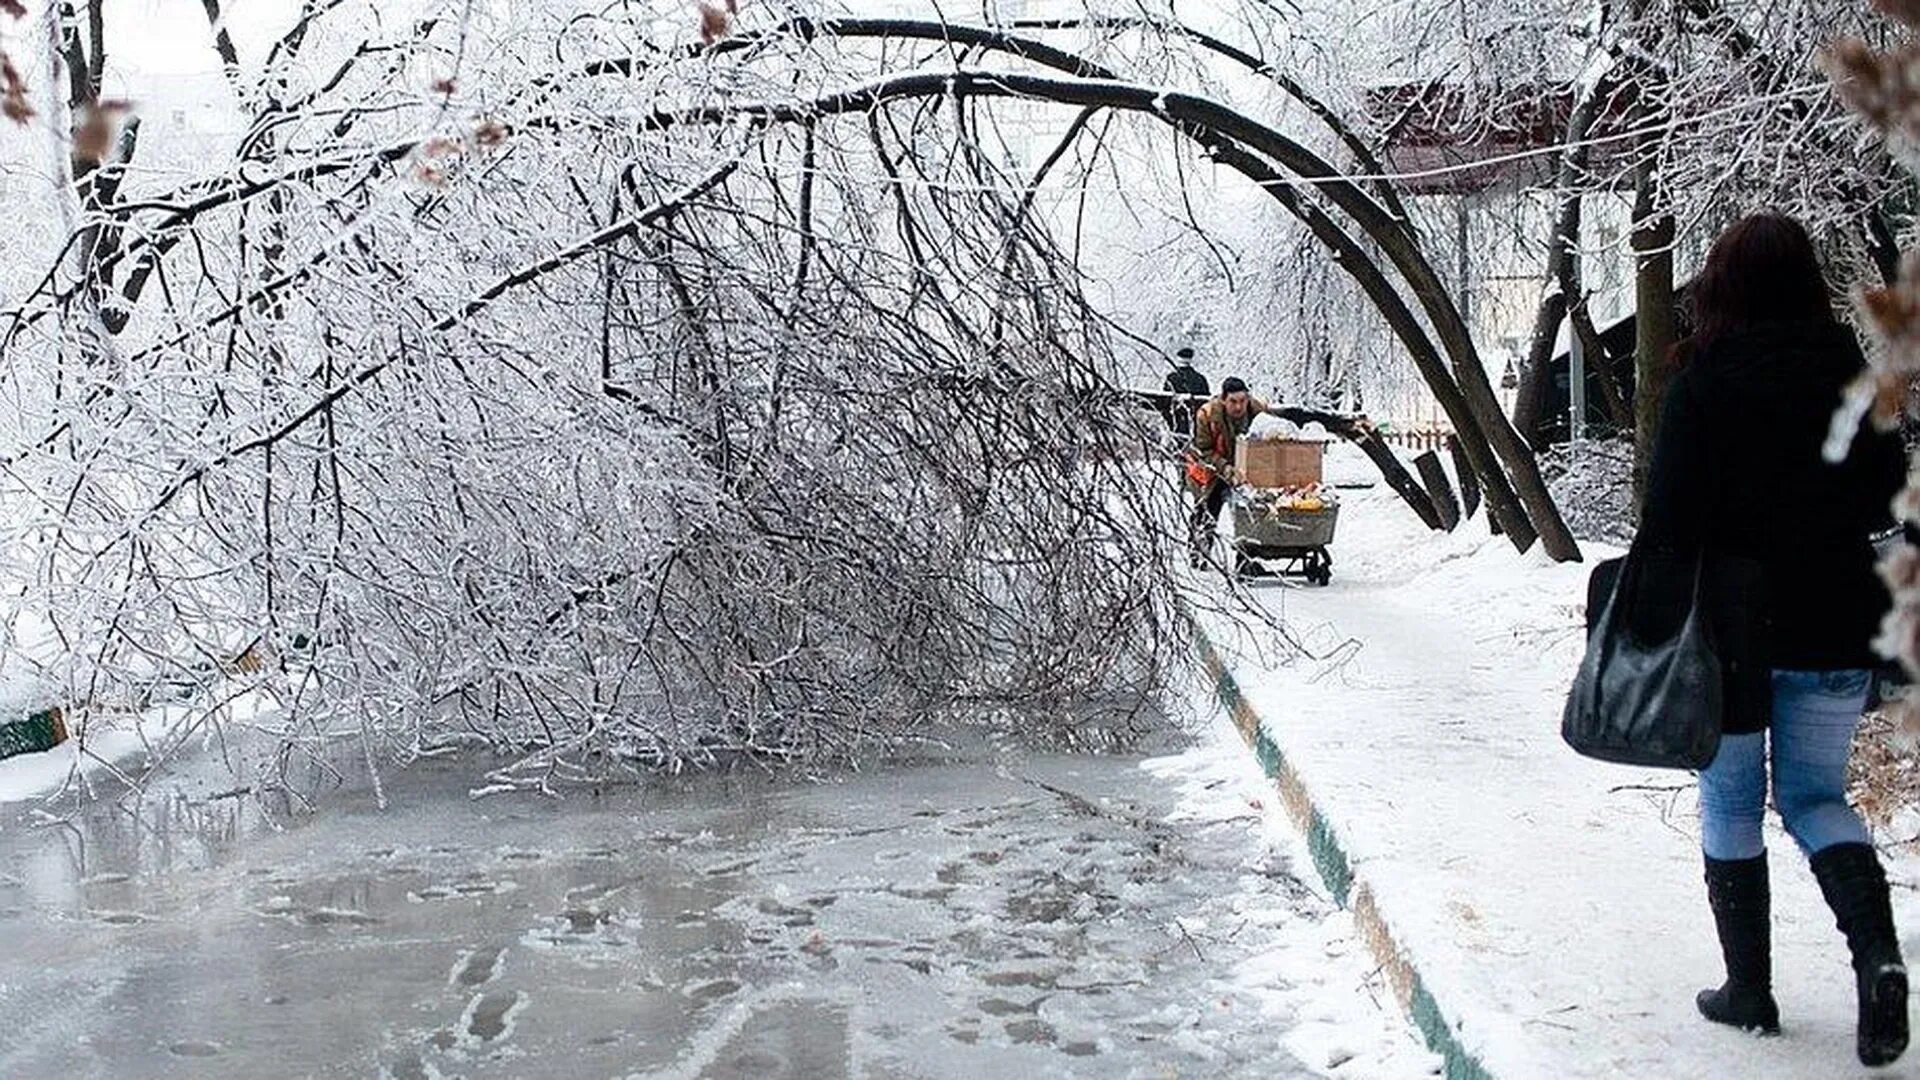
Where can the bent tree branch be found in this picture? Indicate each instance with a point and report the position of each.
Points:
(1522, 507)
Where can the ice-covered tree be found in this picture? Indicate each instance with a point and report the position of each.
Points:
(634, 384)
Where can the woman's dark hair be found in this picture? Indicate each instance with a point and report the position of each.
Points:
(1762, 269)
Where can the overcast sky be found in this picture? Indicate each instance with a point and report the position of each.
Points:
(169, 36)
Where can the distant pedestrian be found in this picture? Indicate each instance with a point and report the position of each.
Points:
(1186, 387)
(1210, 474)
(1737, 474)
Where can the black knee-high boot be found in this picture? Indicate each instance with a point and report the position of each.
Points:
(1738, 893)
(1856, 889)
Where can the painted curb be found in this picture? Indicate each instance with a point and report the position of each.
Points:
(1336, 871)
(37, 731)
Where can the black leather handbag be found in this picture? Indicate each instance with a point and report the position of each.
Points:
(1650, 691)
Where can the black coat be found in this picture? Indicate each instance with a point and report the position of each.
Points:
(1738, 468)
(1184, 379)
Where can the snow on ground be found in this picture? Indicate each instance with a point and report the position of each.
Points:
(1314, 980)
(1553, 904)
(30, 657)
(28, 647)
(118, 742)
(32, 776)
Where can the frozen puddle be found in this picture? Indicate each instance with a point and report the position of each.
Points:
(984, 915)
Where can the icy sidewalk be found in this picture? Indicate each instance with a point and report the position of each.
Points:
(1550, 907)
(982, 908)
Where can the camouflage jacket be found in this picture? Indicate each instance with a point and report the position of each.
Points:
(1214, 433)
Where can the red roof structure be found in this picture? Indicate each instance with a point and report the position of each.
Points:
(1461, 139)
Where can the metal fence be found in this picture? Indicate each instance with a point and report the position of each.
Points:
(1417, 439)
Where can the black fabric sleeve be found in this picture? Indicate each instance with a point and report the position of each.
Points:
(1876, 468)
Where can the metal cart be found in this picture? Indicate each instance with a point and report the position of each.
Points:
(1294, 538)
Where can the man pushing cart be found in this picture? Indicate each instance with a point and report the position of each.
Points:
(1281, 512)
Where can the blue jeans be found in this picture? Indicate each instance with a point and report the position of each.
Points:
(1814, 716)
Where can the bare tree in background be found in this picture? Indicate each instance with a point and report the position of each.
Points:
(1683, 113)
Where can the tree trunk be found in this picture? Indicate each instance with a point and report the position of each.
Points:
(1469, 484)
(1480, 399)
(1563, 284)
(1655, 317)
(1502, 500)
(1536, 368)
(1573, 290)
(1441, 491)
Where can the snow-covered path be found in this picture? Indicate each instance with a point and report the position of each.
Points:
(1552, 905)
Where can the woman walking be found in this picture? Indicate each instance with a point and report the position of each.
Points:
(1737, 474)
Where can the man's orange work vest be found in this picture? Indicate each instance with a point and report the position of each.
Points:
(1199, 473)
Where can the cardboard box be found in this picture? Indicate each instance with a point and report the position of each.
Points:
(1278, 463)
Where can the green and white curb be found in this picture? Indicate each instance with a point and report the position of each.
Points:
(1336, 870)
(38, 731)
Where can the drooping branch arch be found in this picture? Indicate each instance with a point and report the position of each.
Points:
(182, 205)
(1363, 154)
(1524, 513)
(1223, 130)
(997, 39)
